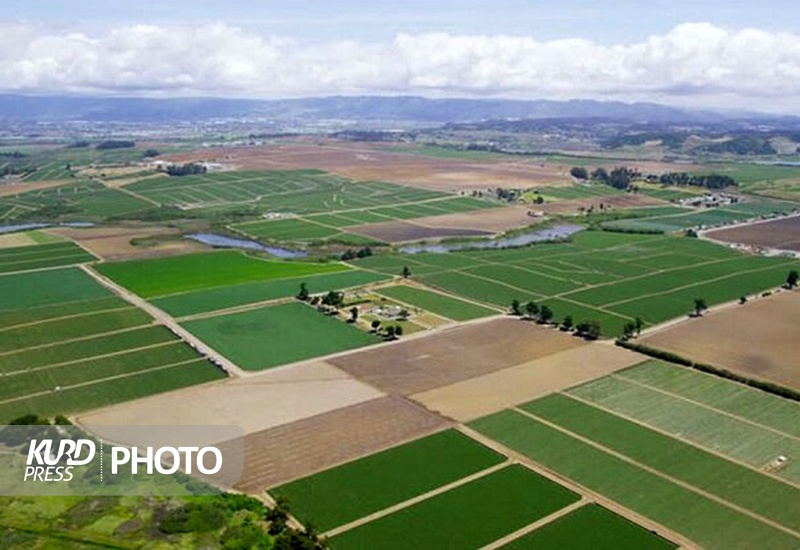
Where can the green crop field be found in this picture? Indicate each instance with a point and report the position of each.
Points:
(658, 498)
(469, 516)
(42, 288)
(76, 201)
(67, 345)
(40, 256)
(446, 306)
(191, 303)
(745, 402)
(379, 481)
(753, 491)
(85, 348)
(106, 392)
(272, 336)
(192, 272)
(332, 227)
(609, 277)
(590, 527)
(754, 438)
(296, 191)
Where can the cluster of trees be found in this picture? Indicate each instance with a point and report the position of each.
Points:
(114, 144)
(620, 177)
(351, 254)
(508, 195)
(709, 181)
(224, 512)
(190, 169)
(544, 315)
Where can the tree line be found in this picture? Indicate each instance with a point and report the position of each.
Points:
(623, 178)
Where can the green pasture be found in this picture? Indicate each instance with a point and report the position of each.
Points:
(590, 527)
(193, 272)
(24, 258)
(271, 336)
(42, 288)
(469, 516)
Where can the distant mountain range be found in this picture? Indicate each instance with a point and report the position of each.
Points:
(363, 108)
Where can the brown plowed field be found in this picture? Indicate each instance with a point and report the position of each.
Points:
(490, 393)
(453, 355)
(301, 448)
(362, 163)
(783, 234)
(397, 232)
(756, 339)
(114, 243)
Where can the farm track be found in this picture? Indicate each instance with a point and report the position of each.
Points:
(166, 320)
(499, 543)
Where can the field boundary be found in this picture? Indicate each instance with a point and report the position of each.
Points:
(769, 387)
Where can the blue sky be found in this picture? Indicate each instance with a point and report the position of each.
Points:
(603, 22)
(730, 54)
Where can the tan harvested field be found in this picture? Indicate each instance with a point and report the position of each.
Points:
(114, 243)
(400, 231)
(360, 162)
(783, 234)
(13, 240)
(255, 403)
(301, 448)
(16, 187)
(756, 339)
(470, 399)
(453, 354)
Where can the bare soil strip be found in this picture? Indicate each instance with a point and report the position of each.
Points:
(453, 354)
(255, 403)
(470, 399)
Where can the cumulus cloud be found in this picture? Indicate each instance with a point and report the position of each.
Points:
(693, 63)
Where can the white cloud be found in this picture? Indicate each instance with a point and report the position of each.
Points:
(694, 63)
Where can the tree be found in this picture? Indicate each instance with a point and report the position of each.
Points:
(588, 329)
(406, 272)
(792, 279)
(628, 330)
(376, 324)
(353, 314)
(567, 323)
(303, 294)
(699, 306)
(579, 172)
(516, 308)
(398, 331)
(531, 309)
(545, 315)
(742, 299)
(333, 299)
(639, 324)
(390, 332)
